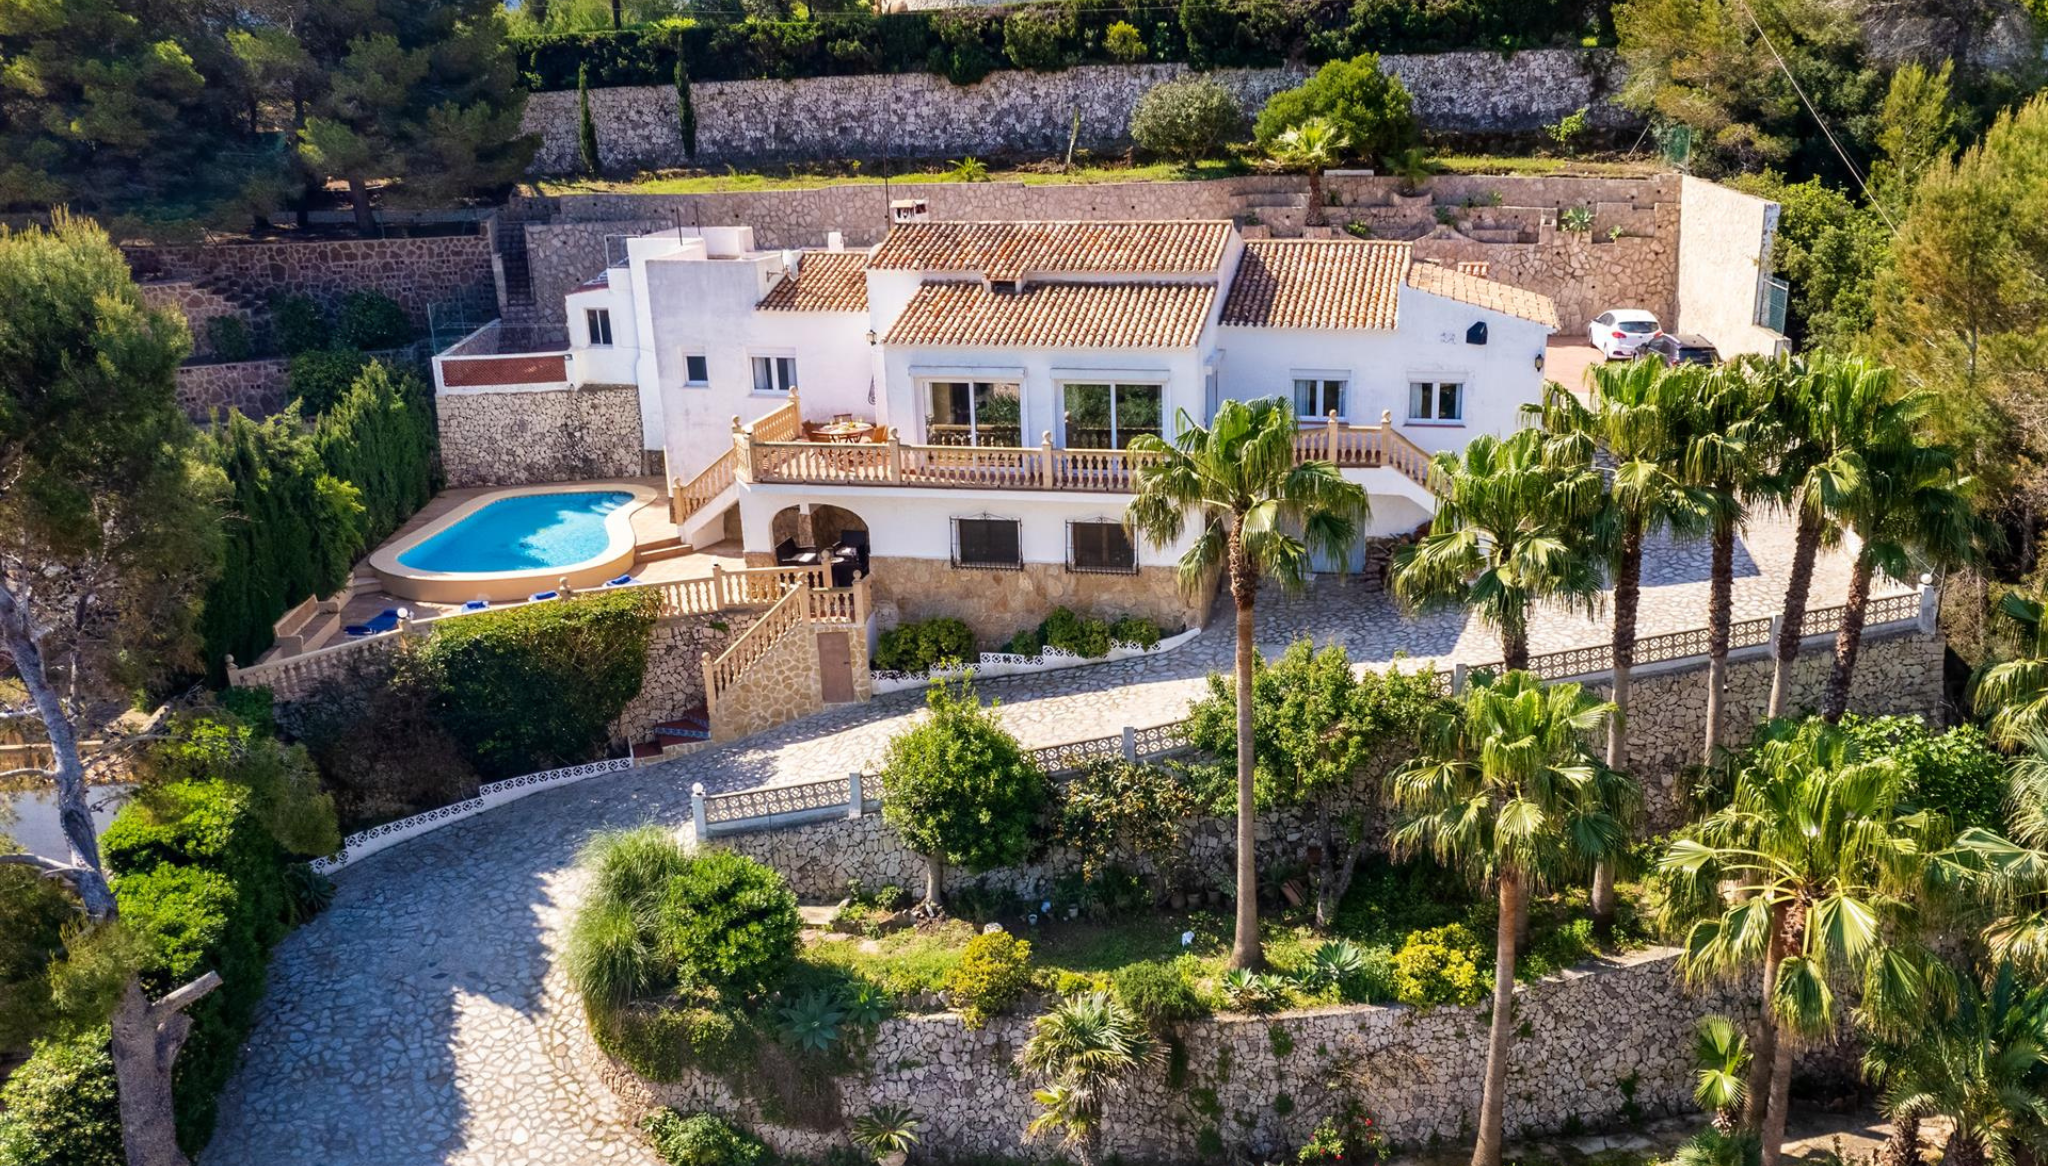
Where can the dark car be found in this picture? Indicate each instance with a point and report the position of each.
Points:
(1681, 349)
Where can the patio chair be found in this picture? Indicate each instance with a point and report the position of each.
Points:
(376, 625)
(857, 540)
(477, 604)
(621, 581)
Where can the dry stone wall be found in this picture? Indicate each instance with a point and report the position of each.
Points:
(417, 272)
(779, 687)
(521, 438)
(999, 607)
(1592, 1046)
(674, 681)
(198, 305)
(1018, 112)
(257, 387)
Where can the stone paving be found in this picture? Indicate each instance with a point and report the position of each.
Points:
(422, 1017)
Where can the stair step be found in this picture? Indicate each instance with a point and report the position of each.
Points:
(656, 554)
(692, 724)
(674, 540)
(646, 750)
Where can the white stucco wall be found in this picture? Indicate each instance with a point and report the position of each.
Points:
(1040, 375)
(1724, 242)
(918, 523)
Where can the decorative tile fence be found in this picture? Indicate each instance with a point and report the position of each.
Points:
(361, 845)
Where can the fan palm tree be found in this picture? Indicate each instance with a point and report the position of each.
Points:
(2003, 879)
(1722, 1053)
(1825, 410)
(2013, 693)
(1727, 434)
(1914, 512)
(1503, 789)
(1825, 860)
(1310, 147)
(1240, 480)
(1514, 525)
(1982, 1063)
(1082, 1049)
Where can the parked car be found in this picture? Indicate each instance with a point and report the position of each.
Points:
(1684, 348)
(1620, 333)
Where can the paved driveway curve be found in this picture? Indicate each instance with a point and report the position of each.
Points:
(421, 1019)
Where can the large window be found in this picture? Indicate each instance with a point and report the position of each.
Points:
(774, 374)
(974, 413)
(1101, 546)
(597, 323)
(1107, 416)
(988, 543)
(1318, 397)
(1439, 402)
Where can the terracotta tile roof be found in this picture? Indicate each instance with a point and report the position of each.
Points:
(1008, 251)
(1483, 293)
(1059, 315)
(825, 281)
(1317, 283)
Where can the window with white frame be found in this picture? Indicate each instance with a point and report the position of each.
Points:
(988, 543)
(774, 374)
(1318, 396)
(1108, 416)
(1100, 546)
(973, 413)
(597, 324)
(1436, 402)
(696, 369)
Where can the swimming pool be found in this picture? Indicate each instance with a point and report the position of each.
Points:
(509, 544)
(521, 533)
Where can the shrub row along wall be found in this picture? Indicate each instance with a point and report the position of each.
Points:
(520, 438)
(417, 272)
(1898, 674)
(922, 115)
(1595, 1046)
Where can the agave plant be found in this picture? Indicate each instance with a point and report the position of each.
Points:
(865, 1004)
(1331, 965)
(886, 1130)
(1249, 991)
(812, 1020)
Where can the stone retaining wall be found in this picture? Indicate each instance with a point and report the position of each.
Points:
(417, 272)
(923, 115)
(257, 387)
(521, 438)
(929, 588)
(674, 681)
(199, 306)
(1593, 1047)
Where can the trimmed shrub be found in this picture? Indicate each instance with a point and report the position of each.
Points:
(370, 321)
(299, 324)
(1161, 994)
(994, 972)
(536, 686)
(1957, 772)
(1124, 42)
(702, 1140)
(1186, 120)
(228, 338)
(319, 377)
(1081, 635)
(1136, 631)
(727, 923)
(60, 1107)
(1439, 966)
(661, 1043)
(925, 644)
(1370, 107)
(961, 788)
(1036, 36)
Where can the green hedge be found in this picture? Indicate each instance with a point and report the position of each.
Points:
(966, 45)
(924, 644)
(536, 686)
(60, 1108)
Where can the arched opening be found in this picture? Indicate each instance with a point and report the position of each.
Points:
(821, 535)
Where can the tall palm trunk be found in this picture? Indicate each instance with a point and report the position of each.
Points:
(359, 197)
(1787, 937)
(1514, 645)
(1903, 1147)
(1628, 593)
(1805, 543)
(1244, 590)
(1965, 1148)
(1720, 608)
(1764, 1047)
(1315, 216)
(1493, 1099)
(1848, 641)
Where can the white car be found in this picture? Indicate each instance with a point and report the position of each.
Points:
(1622, 333)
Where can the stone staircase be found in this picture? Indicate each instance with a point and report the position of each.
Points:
(688, 732)
(672, 547)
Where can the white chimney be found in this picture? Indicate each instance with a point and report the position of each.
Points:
(835, 241)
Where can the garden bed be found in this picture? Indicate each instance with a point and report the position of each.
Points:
(993, 664)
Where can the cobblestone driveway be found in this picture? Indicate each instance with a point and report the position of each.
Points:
(421, 1020)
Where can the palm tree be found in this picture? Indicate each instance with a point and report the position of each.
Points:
(1825, 409)
(1722, 1052)
(1982, 1063)
(1913, 512)
(1633, 416)
(1503, 788)
(1824, 860)
(2013, 693)
(1082, 1049)
(2003, 879)
(1727, 434)
(1512, 527)
(1240, 478)
(1310, 147)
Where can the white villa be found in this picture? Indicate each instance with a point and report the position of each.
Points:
(955, 401)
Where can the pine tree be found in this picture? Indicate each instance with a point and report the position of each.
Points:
(586, 128)
(686, 109)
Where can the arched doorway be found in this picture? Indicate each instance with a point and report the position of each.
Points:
(823, 534)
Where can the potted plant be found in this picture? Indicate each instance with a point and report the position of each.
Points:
(887, 1132)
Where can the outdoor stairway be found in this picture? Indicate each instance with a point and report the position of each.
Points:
(232, 292)
(672, 547)
(687, 733)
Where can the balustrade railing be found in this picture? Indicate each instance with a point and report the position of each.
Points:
(1363, 446)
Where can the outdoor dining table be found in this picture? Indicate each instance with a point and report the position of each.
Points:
(844, 432)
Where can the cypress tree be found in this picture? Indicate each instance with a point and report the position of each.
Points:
(586, 129)
(686, 110)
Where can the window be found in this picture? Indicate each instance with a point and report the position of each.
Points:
(774, 374)
(696, 369)
(597, 323)
(974, 413)
(989, 543)
(1442, 402)
(1109, 416)
(1318, 397)
(1101, 546)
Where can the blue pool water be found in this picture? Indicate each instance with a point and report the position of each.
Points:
(521, 533)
